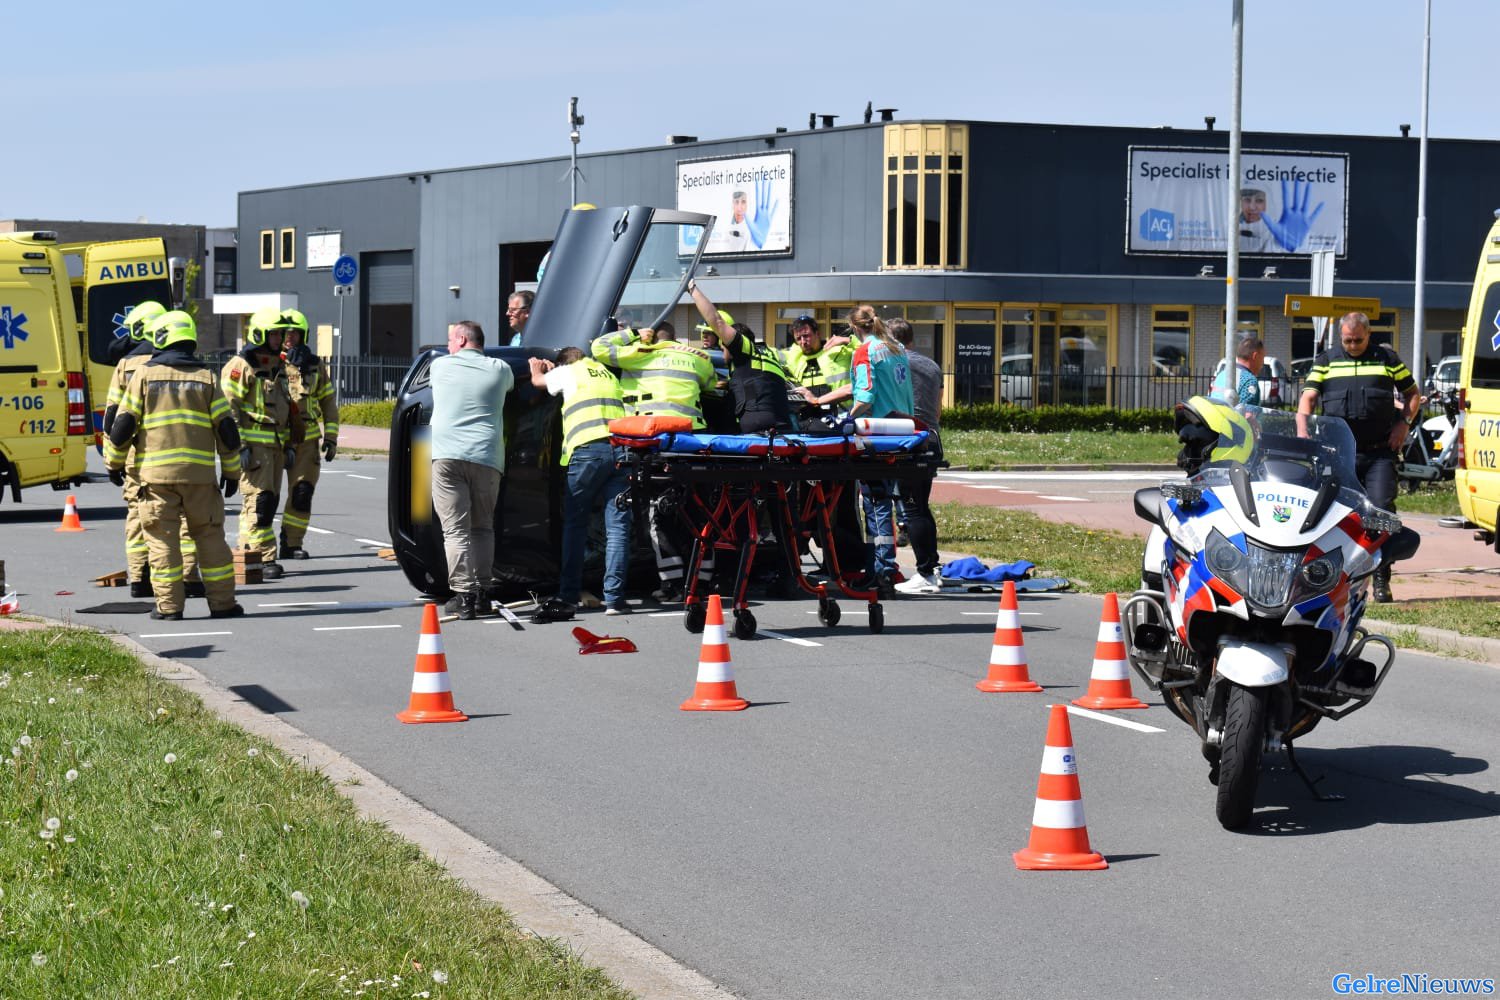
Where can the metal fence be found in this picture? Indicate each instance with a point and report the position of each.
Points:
(1112, 387)
(362, 379)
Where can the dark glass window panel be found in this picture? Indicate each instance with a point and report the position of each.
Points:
(953, 256)
(932, 163)
(908, 163)
(892, 206)
(932, 236)
(909, 219)
(955, 162)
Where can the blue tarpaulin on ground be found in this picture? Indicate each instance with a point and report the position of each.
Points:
(969, 568)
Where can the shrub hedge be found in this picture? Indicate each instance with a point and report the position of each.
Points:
(1048, 419)
(368, 414)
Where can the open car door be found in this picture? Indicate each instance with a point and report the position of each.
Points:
(609, 268)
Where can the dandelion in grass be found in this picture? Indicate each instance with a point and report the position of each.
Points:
(46, 834)
(72, 774)
(216, 834)
(253, 752)
(52, 823)
(52, 701)
(68, 838)
(170, 758)
(299, 899)
(439, 976)
(25, 740)
(39, 959)
(15, 751)
(160, 711)
(249, 935)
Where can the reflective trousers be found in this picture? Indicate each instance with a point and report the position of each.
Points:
(260, 486)
(297, 510)
(136, 551)
(168, 510)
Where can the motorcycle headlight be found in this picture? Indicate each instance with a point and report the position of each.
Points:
(1319, 575)
(1263, 576)
(1223, 558)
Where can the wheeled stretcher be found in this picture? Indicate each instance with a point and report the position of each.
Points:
(726, 486)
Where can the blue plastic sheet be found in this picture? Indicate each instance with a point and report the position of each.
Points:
(969, 568)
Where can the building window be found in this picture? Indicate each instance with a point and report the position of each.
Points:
(781, 322)
(1171, 341)
(289, 248)
(1251, 322)
(224, 270)
(267, 249)
(926, 189)
(1083, 355)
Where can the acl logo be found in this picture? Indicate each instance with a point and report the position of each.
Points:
(1157, 225)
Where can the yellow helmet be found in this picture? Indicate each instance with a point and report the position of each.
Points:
(727, 319)
(140, 317)
(290, 319)
(1211, 431)
(171, 328)
(262, 321)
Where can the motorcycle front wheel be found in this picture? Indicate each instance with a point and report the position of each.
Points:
(1239, 756)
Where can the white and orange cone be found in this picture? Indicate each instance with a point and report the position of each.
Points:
(1059, 836)
(1008, 671)
(431, 696)
(715, 690)
(1109, 680)
(70, 521)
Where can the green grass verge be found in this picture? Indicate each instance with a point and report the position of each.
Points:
(1479, 617)
(1101, 449)
(1096, 561)
(1434, 498)
(148, 849)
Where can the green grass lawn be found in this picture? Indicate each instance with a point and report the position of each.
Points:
(1096, 561)
(148, 849)
(1000, 449)
(1433, 498)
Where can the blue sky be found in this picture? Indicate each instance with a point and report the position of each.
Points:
(115, 126)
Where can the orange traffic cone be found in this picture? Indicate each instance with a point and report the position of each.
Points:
(70, 520)
(1008, 655)
(715, 690)
(1109, 681)
(1059, 837)
(431, 697)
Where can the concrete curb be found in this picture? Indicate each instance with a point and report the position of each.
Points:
(1487, 650)
(538, 906)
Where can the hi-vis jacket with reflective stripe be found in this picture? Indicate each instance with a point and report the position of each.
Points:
(118, 383)
(591, 399)
(658, 379)
(313, 397)
(821, 371)
(179, 422)
(260, 406)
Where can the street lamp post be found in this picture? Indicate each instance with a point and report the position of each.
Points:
(1232, 229)
(1419, 301)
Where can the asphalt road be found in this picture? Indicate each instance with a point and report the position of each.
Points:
(850, 835)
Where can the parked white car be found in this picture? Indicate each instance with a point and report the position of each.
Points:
(1444, 375)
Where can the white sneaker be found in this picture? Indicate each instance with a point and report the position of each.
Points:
(919, 584)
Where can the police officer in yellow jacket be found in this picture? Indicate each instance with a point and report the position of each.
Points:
(266, 418)
(174, 417)
(311, 392)
(136, 321)
(822, 367)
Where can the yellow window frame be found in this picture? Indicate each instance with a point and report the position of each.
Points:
(920, 153)
(289, 248)
(267, 249)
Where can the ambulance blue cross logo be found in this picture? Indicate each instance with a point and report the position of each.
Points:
(1495, 337)
(12, 327)
(121, 330)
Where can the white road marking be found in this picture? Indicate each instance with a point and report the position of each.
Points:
(1015, 477)
(350, 628)
(177, 635)
(1048, 496)
(371, 541)
(664, 614)
(317, 531)
(787, 638)
(1112, 493)
(863, 609)
(1113, 720)
(986, 614)
(352, 475)
(297, 604)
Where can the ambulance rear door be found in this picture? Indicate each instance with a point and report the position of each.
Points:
(1478, 478)
(117, 276)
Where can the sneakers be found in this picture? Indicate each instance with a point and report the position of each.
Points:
(165, 616)
(233, 611)
(272, 571)
(919, 584)
(616, 608)
(141, 588)
(553, 610)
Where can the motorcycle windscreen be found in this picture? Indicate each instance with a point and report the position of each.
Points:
(630, 265)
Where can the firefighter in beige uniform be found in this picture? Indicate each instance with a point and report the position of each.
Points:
(174, 418)
(265, 416)
(136, 565)
(312, 393)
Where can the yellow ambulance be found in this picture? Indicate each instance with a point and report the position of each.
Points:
(61, 306)
(1478, 472)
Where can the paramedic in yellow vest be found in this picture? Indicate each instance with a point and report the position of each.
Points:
(312, 393)
(820, 367)
(661, 377)
(263, 413)
(175, 419)
(591, 399)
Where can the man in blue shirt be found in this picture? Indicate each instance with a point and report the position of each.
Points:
(468, 459)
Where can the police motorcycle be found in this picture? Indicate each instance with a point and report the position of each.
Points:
(1429, 453)
(1254, 581)
(604, 263)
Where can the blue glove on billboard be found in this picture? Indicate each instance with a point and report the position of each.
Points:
(765, 211)
(1295, 222)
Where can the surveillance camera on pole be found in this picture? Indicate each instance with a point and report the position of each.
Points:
(574, 121)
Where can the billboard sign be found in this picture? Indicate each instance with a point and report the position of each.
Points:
(750, 198)
(1290, 202)
(323, 249)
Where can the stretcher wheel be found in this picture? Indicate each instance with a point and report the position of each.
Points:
(744, 624)
(877, 619)
(693, 616)
(828, 612)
